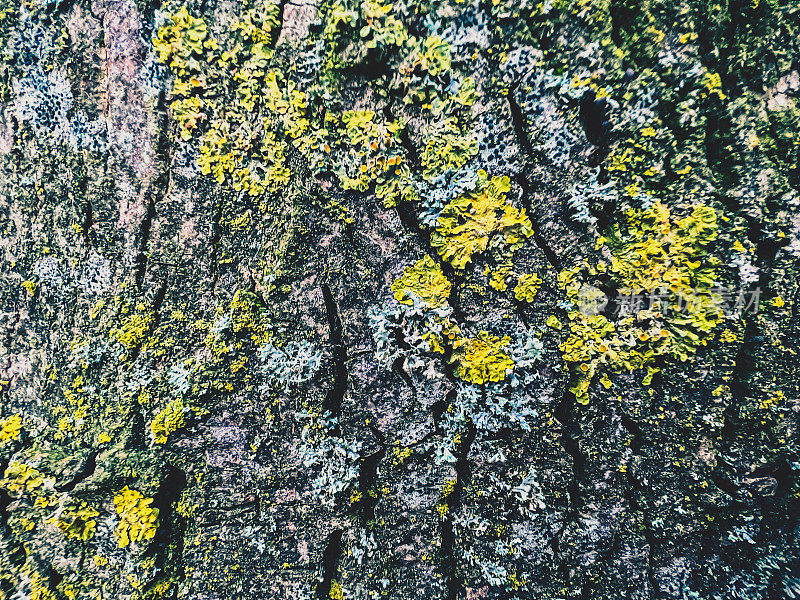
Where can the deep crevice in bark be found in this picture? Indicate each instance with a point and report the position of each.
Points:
(538, 237)
(455, 587)
(335, 395)
(367, 478)
(329, 565)
(518, 121)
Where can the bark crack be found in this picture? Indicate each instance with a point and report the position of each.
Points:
(335, 395)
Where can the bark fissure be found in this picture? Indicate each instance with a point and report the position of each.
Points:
(335, 395)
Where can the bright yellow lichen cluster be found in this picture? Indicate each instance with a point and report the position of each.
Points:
(652, 252)
(425, 279)
(10, 428)
(138, 520)
(181, 44)
(76, 520)
(469, 222)
(375, 149)
(527, 287)
(662, 269)
(167, 421)
(482, 358)
(20, 478)
(134, 327)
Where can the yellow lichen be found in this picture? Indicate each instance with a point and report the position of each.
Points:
(336, 592)
(527, 287)
(666, 281)
(76, 520)
(482, 358)
(552, 321)
(138, 520)
(10, 428)
(469, 222)
(134, 328)
(20, 478)
(425, 279)
(168, 421)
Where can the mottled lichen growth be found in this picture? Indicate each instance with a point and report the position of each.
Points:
(664, 269)
(468, 223)
(168, 420)
(482, 359)
(370, 299)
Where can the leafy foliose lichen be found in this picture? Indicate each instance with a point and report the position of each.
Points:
(425, 279)
(20, 478)
(168, 421)
(482, 359)
(295, 363)
(527, 287)
(75, 518)
(469, 222)
(668, 298)
(138, 519)
(10, 428)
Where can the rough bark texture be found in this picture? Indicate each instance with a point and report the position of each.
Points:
(227, 373)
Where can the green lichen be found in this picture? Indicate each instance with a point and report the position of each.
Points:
(168, 421)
